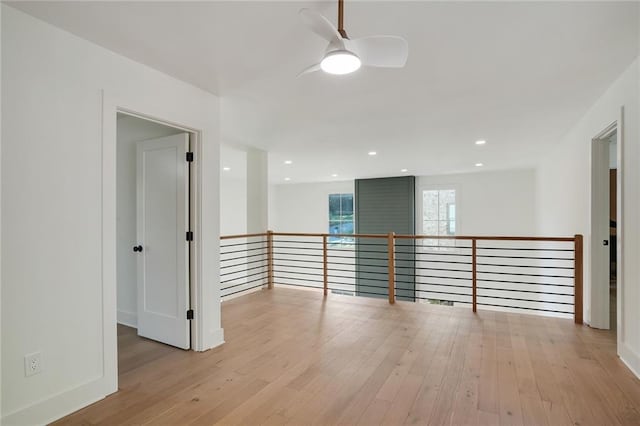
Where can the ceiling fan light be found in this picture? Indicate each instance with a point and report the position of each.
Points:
(340, 62)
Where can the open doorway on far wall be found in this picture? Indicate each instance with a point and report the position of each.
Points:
(613, 225)
(606, 286)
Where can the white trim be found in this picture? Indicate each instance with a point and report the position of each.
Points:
(124, 111)
(630, 358)
(0, 206)
(607, 132)
(108, 265)
(130, 319)
(618, 127)
(599, 229)
(206, 331)
(620, 329)
(57, 406)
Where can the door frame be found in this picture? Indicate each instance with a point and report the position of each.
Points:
(599, 308)
(206, 331)
(194, 246)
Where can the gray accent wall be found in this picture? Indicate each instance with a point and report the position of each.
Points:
(385, 205)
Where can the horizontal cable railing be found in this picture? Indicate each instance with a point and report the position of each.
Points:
(518, 274)
(244, 264)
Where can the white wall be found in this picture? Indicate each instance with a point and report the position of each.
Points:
(130, 131)
(564, 187)
(304, 207)
(233, 191)
(257, 191)
(59, 210)
(488, 203)
(233, 206)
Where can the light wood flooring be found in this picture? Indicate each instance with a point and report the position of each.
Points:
(292, 357)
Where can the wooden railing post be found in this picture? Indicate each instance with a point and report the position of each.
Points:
(325, 264)
(270, 259)
(392, 267)
(474, 281)
(578, 278)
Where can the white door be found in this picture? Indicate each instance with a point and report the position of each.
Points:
(163, 250)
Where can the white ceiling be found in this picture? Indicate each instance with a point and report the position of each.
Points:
(516, 74)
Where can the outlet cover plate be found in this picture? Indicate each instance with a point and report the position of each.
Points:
(32, 364)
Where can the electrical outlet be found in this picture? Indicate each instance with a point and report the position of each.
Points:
(32, 364)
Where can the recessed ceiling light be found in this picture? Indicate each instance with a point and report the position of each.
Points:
(334, 175)
(288, 162)
(372, 153)
(479, 164)
(403, 170)
(481, 142)
(226, 169)
(287, 179)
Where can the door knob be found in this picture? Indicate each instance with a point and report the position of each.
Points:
(137, 248)
(605, 242)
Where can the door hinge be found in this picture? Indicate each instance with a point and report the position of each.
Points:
(189, 236)
(190, 314)
(189, 157)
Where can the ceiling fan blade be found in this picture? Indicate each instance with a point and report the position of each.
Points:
(380, 51)
(308, 70)
(319, 24)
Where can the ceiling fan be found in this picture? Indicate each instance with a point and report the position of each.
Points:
(344, 55)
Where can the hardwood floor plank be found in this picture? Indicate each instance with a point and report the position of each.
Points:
(294, 357)
(488, 386)
(374, 413)
(405, 397)
(465, 404)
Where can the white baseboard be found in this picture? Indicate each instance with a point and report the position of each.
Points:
(130, 319)
(215, 339)
(57, 406)
(243, 293)
(630, 359)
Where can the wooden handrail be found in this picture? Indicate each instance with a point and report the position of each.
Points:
(309, 234)
(230, 237)
(404, 237)
(483, 238)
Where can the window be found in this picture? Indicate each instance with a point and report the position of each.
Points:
(439, 215)
(340, 217)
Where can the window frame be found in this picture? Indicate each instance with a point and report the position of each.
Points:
(343, 241)
(420, 207)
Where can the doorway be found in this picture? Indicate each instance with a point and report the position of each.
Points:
(606, 224)
(613, 235)
(153, 215)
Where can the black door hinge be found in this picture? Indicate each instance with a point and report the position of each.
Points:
(190, 314)
(189, 157)
(189, 236)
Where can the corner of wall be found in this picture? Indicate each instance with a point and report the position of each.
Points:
(130, 319)
(215, 339)
(630, 358)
